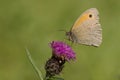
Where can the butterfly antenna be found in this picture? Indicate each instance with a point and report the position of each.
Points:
(62, 30)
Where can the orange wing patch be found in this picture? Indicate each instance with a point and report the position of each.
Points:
(80, 20)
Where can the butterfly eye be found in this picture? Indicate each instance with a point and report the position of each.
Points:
(90, 15)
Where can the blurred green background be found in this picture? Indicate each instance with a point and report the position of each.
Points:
(35, 23)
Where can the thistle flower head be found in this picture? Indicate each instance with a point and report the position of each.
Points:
(62, 50)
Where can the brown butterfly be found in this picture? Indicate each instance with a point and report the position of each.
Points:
(87, 29)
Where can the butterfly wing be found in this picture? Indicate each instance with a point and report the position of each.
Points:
(87, 29)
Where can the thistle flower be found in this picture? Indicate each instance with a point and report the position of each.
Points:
(60, 49)
(61, 53)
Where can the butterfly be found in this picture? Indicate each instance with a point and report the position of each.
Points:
(86, 29)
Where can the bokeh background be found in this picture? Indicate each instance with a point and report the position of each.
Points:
(35, 23)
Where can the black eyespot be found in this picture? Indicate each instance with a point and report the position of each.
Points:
(90, 15)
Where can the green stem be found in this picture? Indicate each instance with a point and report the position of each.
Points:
(33, 64)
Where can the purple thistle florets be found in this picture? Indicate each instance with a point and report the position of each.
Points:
(62, 50)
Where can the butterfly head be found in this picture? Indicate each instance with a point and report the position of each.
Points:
(69, 36)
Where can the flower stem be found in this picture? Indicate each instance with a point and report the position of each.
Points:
(33, 64)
